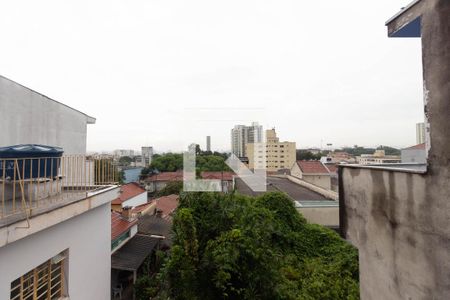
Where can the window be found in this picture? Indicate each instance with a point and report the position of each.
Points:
(45, 282)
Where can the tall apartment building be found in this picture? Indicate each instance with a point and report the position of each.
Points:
(275, 155)
(208, 143)
(147, 154)
(242, 135)
(420, 133)
(54, 232)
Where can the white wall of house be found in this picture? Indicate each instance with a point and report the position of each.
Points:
(135, 201)
(27, 117)
(295, 171)
(88, 240)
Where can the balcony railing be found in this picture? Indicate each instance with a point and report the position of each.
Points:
(27, 184)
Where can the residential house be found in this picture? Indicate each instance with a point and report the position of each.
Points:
(130, 195)
(226, 178)
(397, 217)
(54, 229)
(312, 171)
(129, 250)
(157, 182)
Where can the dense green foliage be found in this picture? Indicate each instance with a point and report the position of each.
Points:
(307, 155)
(174, 187)
(125, 161)
(357, 150)
(239, 247)
(170, 162)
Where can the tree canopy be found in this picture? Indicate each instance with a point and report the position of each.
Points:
(238, 247)
(170, 162)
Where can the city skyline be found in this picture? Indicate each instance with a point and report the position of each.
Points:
(204, 67)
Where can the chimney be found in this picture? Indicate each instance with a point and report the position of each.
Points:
(126, 213)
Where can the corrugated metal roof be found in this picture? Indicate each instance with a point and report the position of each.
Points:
(131, 256)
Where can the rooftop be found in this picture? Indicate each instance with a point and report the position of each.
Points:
(312, 167)
(167, 205)
(416, 147)
(228, 176)
(166, 176)
(128, 191)
(120, 225)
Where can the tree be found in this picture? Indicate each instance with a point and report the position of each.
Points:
(238, 247)
(125, 161)
(174, 187)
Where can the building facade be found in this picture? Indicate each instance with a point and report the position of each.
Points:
(54, 232)
(379, 157)
(414, 155)
(398, 218)
(274, 155)
(420, 133)
(147, 154)
(208, 143)
(242, 135)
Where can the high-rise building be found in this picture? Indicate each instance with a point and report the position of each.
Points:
(242, 135)
(274, 156)
(147, 154)
(420, 133)
(208, 143)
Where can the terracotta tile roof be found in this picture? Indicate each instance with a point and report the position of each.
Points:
(119, 225)
(312, 167)
(416, 147)
(166, 176)
(228, 176)
(142, 207)
(167, 204)
(127, 192)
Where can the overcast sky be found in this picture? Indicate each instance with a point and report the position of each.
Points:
(168, 73)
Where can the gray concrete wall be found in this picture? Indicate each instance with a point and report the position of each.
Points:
(399, 220)
(322, 215)
(27, 117)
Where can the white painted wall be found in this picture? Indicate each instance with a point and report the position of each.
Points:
(135, 201)
(88, 238)
(27, 117)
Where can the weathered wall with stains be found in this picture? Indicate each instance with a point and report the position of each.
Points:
(400, 221)
(400, 224)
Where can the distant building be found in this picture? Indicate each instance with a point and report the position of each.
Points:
(415, 154)
(208, 143)
(123, 152)
(379, 157)
(227, 179)
(242, 135)
(157, 182)
(147, 154)
(314, 172)
(274, 156)
(420, 133)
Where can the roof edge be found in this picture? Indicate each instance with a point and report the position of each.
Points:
(89, 119)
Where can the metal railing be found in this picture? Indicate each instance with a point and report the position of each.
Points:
(27, 183)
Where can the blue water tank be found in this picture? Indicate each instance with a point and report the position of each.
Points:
(34, 161)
